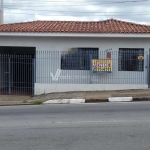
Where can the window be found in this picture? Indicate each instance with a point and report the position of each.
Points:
(128, 59)
(78, 59)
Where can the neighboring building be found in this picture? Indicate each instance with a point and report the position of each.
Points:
(56, 56)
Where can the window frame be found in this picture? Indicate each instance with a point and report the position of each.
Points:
(82, 58)
(135, 52)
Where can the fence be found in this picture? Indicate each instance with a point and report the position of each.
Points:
(90, 66)
(16, 74)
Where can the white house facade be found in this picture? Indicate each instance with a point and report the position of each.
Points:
(62, 61)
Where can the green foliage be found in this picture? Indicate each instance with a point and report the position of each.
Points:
(37, 102)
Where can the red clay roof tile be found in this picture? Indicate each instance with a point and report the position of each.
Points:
(107, 26)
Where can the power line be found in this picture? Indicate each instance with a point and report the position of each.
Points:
(73, 15)
(56, 1)
(80, 12)
(79, 4)
(68, 12)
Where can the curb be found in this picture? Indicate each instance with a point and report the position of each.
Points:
(106, 100)
(140, 99)
(111, 99)
(65, 101)
(96, 100)
(120, 99)
(78, 101)
(16, 104)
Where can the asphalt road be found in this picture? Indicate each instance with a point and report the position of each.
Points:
(105, 126)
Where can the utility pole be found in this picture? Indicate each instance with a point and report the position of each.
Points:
(1, 12)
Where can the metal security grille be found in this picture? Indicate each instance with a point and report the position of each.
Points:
(149, 70)
(128, 59)
(53, 67)
(16, 74)
(78, 59)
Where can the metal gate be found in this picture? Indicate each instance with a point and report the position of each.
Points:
(149, 70)
(16, 74)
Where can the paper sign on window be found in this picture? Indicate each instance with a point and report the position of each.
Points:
(140, 57)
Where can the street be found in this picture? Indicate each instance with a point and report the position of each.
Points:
(102, 126)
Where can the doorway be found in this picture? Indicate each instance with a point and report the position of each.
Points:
(17, 65)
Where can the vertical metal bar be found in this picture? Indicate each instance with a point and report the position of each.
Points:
(91, 73)
(149, 68)
(15, 70)
(33, 76)
(34, 69)
(18, 73)
(24, 86)
(14, 73)
(2, 73)
(21, 74)
(49, 70)
(6, 78)
(148, 56)
(23, 70)
(27, 76)
(9, 67)
(29, 81)
(147, 79)
(5, 75)
(5, 89)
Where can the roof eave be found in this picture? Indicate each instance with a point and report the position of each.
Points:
(75, 35)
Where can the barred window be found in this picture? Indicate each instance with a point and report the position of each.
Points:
(128, 59)
(79, 59)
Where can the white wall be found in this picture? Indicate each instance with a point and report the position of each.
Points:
(63, 44)
(54, 88)
(43, 70)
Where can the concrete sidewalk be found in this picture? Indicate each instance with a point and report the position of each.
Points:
(90, 97)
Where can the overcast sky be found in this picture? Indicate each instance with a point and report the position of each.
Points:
(137, 11)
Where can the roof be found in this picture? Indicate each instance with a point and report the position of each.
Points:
(111, 26)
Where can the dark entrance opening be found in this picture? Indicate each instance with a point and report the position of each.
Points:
(17, 70)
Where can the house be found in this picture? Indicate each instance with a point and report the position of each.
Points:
(59, 56)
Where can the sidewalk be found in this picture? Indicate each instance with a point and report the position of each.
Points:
(90, 97)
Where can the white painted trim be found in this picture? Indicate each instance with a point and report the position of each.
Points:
(65, 101)
(120, 99)
(74, 35)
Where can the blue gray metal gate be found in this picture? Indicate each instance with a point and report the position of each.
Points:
(16, 74)
(149, 70)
